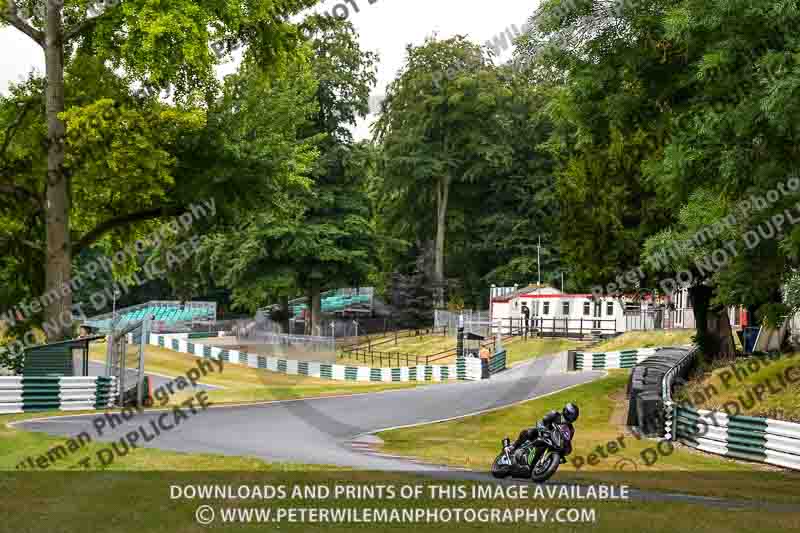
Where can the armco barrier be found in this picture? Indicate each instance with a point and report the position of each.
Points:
(740, 437)
(43, 393)
(323, 370)
(649, 382)
(748, 438)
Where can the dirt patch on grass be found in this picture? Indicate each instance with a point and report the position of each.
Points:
(619, 416)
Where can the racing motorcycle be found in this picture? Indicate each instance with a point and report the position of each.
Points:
(552, 445)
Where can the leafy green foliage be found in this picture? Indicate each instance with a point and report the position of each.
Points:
(319, 236)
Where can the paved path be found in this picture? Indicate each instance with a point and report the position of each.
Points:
(321, 430)
(338, 431)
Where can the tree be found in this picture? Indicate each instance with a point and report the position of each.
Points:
(439, 125)
(497, 231)
(120, 160)
(156, 44)
(735, 138)
(609, 82)
(689, 258)
(412, 293)
(323, 236)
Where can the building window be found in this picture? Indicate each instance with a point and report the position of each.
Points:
(565, 308)
(587, 308)
(545, 308)
(610, 308)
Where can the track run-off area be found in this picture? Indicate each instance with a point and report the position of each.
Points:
(322, 430)
(338, 430)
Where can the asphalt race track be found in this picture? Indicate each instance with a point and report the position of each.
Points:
(321, 430)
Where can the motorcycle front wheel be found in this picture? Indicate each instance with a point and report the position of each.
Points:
(501, 467)
(545, 467)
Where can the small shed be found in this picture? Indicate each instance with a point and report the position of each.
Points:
(65, 358)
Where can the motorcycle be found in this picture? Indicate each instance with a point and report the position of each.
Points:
(538, 459)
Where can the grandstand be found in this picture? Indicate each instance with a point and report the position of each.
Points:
(171, 315)
(339, 304)
(335, 302)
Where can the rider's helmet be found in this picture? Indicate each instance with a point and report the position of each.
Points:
(570, 412)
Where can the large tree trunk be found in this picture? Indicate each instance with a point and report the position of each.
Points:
(714, 334)
(315, 303)
(442, 197)
(59, 260)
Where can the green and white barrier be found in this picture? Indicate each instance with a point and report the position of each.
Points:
(468, 368)
(310, 368)
(761, 440)
(497, 363)
(612, 360)
(44, 393)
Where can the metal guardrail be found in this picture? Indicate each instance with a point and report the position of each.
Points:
(748, 438)
(655, 413)
(647, 385)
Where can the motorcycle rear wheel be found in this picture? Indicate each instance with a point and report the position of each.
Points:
(546, 467)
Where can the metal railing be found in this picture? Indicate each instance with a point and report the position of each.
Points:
(658, 319)
(554, 327)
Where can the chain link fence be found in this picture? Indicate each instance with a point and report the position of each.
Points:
(477, 322)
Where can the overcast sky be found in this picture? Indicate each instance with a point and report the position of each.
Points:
(386, 27)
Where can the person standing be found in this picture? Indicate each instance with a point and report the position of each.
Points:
(526, 315)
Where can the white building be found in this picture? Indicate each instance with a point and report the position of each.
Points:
(553, 312)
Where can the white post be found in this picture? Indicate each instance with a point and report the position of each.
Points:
(114, 301)
(142, 342)
(538, 262)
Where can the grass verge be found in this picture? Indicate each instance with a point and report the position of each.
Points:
(139, 502)
(473, 442)
(17, 445)
(518, 350)
(245, 384)
(765, 386)
(646, 339)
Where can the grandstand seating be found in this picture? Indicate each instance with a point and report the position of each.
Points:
(163, 313)
(334, 304)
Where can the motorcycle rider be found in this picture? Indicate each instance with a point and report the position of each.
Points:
(567, 416)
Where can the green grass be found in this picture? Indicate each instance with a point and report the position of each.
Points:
(518, 350)
(741, 380)
(474, 442)
(521, 350)
(17, 445)
(245, 384)
(141, 503)
(646, 339)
